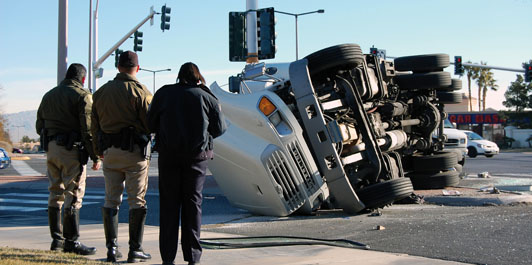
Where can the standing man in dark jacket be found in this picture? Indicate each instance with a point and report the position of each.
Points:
(122, 138)
(63, 122)
(186, 117)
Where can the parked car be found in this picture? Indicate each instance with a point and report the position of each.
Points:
(337, 128)
(17, 151)
(477, 145)
(455, 140)
(5, 160)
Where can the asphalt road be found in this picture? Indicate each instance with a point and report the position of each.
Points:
(479, 235)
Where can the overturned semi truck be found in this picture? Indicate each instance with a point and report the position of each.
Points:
(337, 128)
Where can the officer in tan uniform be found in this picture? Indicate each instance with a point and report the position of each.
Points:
(63, 122)
(122, 138)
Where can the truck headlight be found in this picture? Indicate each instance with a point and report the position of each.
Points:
(462, 141)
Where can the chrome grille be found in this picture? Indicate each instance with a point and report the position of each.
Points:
(302, 167)
(279, 169)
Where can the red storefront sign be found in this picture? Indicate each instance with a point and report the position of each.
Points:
(468, 118)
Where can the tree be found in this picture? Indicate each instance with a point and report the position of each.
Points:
(4, 135)
(490, 83)
(518, 95)
(26, 139)
(481, 80)
(472, 74)
(485, 80)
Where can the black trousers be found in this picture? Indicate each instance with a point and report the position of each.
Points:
(180, 189)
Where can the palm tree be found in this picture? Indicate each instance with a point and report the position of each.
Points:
(485, 80)
(481, 81)
(472, 74)
(490, 83)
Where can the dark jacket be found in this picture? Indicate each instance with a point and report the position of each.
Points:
(65, 109)
(185, 119)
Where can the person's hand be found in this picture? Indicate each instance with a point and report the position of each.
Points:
(96, 165)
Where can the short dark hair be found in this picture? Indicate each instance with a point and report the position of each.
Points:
(128, 59)
(190, 74)
(76, 71)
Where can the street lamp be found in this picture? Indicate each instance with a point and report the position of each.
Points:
(154, 71)
(296, 16)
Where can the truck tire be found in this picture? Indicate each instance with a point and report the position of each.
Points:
(435, 162)
(456, 84)
(334, 58)
(438, 180)
(422, 63)
(433, 80)
(449, 97)
(384, 193)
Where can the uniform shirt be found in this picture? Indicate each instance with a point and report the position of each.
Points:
(67, 108)
(185, 119)
(120, 103)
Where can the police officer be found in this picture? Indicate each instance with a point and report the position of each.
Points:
(186, 117)
(63, 122)
(121, 132)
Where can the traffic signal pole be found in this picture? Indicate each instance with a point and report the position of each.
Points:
(251, 34)
(493, 67)
(99, 62)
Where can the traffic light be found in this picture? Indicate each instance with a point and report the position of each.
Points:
(137, 42)
(165, 18)
(117, 56)
(528, 72)
(237, 37)
(266, 34)
(378, 52)
(458, 67)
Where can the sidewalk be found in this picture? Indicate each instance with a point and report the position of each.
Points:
(37, 237)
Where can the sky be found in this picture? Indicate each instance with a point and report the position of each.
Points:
(494, 31)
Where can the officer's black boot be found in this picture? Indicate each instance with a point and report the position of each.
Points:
(71, 233)
(110, 226)
(137, 217)
(54, 221)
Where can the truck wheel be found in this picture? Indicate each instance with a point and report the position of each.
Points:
(435, 162)
(438, 180)
(472, 152)
(381, 194)
(343, 56)
(456, 84)
(422, 63)
(433, 80)
(449, 97)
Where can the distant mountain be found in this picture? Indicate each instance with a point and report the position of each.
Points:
(20, 124)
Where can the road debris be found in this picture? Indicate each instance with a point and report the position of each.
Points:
(451, 193)
(484, 175)
(380, 227)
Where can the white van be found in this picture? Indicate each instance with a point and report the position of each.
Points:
(456, 139)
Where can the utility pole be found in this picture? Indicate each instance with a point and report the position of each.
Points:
(62, 40)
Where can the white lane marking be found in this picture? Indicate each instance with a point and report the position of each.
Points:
(21, 209)
(23, 169)
(45, 195)
(34, 201)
